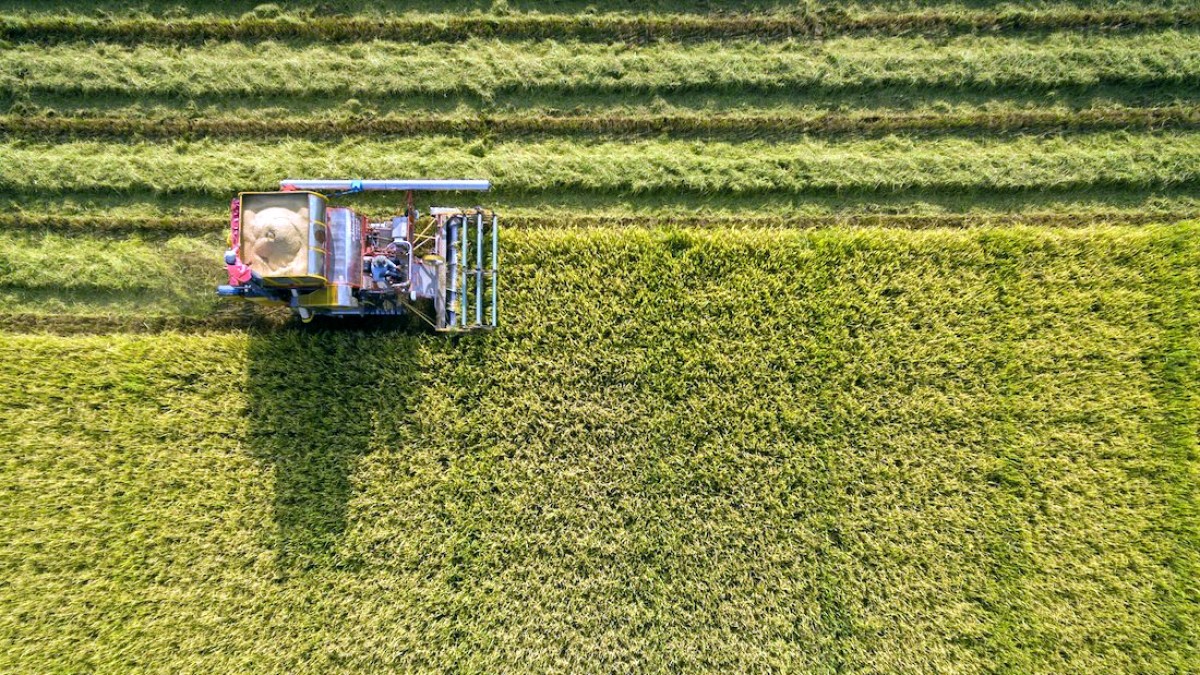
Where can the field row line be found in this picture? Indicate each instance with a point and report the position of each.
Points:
(739, 124)
(170, 225)
(598, 28)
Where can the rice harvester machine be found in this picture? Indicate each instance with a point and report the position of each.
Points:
(294, 248)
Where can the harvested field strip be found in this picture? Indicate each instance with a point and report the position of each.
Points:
(52, 273)
(54, 262)
(1086, 161)
(871, 450)
(748, 124)
(599, 28)
(487, 67)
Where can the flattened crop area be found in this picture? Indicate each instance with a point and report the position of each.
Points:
(859, 338)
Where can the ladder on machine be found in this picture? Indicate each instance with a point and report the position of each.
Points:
(472, 290)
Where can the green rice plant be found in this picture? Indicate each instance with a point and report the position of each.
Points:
(685, 451)
(486, 68)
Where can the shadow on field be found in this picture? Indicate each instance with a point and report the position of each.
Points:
(316, 394)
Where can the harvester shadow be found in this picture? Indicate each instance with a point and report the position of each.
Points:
(315, 395)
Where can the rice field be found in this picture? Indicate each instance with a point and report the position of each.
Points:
(853, 337)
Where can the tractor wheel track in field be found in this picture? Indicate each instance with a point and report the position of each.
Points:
(599, 28)
(738, 125)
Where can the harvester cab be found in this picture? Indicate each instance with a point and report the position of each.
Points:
(294, 248)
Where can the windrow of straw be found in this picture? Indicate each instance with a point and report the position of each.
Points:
(1117, 160)
(487, 68)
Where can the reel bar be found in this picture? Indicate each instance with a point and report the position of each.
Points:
(495, 272)
(463, 295)
(455, 261)
(478, 268)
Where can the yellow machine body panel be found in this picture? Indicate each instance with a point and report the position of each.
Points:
(294, 282)
(334, 295)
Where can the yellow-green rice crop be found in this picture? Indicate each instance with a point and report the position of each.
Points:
(872, 451)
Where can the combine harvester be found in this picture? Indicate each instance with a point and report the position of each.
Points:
(293, 248)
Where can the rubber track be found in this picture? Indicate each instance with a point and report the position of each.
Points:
(1177, 117)
(630, 29)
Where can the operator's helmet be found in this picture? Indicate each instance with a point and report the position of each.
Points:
(230, 258)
